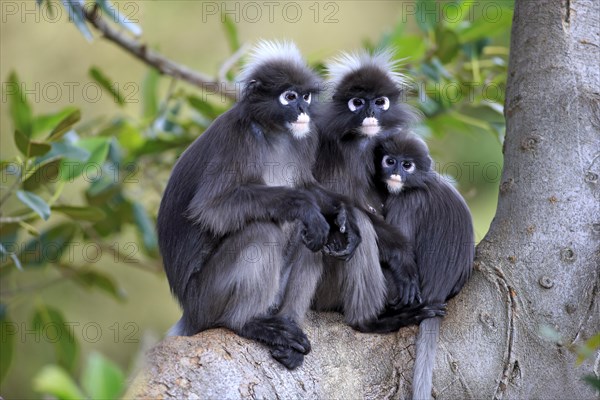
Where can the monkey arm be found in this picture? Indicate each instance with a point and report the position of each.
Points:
(231, 210)
(397, 253)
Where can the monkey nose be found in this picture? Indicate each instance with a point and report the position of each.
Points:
(396, 178)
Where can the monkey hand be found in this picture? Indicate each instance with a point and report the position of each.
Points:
(408, 292)
(315, 231)
(405, 282)
(345, 238)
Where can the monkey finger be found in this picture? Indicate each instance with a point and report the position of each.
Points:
(341, 220)
(418, 298)
(341, 254)
(288, 357)
(406, 295)
(410, 298)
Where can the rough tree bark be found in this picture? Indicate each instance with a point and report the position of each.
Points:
(538, 265)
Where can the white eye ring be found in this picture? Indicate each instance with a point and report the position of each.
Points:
(388, 161)
(383, 103)
(410, 168)
(287, 96)
(352, 106)
(307, 97)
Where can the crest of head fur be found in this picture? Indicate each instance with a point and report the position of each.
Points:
(267, 51)
(347, 63)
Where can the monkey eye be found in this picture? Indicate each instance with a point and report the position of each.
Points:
(355, 103)
(306, 97)
(389, 161)
(408, 166)
(382, 102)
(287, 96)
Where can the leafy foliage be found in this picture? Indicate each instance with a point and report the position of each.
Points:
(458, 64)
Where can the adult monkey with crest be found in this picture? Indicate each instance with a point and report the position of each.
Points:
(365, 101)
(242, 217)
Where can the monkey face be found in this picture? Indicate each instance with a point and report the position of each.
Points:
(279, 96)
(396, 172)
(368, 101)
(403, 162)
(371, 109)
(296, 106)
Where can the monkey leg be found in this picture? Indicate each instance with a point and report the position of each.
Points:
(243, 282)
(357, 286)
(305, 270)
(240, 281)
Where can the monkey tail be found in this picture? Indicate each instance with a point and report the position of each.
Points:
(426, 345)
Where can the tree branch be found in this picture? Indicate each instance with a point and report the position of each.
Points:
(155, 59)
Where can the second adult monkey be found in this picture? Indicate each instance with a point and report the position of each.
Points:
(365, 101)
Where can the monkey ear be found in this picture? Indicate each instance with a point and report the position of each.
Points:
(251, 86)
(428, 162)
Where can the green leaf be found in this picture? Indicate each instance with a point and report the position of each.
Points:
(64, 150)
(102, 191)
(92, 214)
(231, 33)
(51, 322)
(130, 137)
(486, 27)
(588, 349)
(101, 378)
(161, 145)
(35, 203)
(150, 93)
(107, 84)
(145, 226)
(90, 278)
(41, 174)
(8, 333)
(119, 17)
(447, 45)
(55, 381)
(20, 111)
(203, 107)
(410, 47)
(75, 12)
(98, 150)
(45, 123)
(64, 125)
(593, 381)
(30, 148)
(427, 14)
(49, 246)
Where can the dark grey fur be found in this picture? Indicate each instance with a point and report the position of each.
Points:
(434, 216)
(242, 217)
(345, 165)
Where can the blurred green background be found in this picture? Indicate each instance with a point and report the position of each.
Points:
(82, 291)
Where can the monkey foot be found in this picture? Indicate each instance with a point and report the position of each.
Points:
(277, 332)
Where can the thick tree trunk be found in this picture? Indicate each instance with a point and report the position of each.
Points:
(538, 265)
